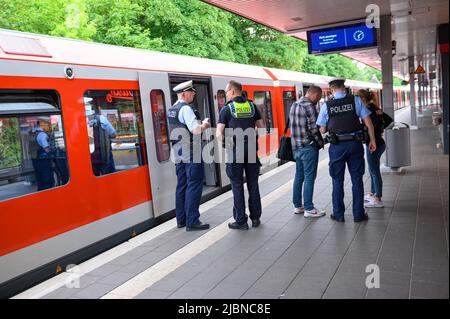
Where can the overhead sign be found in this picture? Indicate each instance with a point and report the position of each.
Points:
(419, 70)
(342, 38)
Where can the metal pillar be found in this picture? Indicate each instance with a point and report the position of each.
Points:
(444, 69)
(412, 93)
(420, 95)
(386, 64)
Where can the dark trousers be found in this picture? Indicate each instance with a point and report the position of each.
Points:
(44, 173)
(352, 154)
(189, 192)
(235, 172)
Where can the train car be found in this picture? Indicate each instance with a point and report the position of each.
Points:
(95, 190)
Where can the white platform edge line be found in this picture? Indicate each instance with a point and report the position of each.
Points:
(84, 268)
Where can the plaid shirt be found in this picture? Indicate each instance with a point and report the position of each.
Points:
(302, 118)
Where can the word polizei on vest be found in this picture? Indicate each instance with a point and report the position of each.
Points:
(341, 108)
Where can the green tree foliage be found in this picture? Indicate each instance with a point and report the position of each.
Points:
(9, 143)
(188, 27)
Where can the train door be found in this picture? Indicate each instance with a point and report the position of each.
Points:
(298, 90)
(288, 100)
(203, 104)
(155, 99)
(305, 88)
(219, 84)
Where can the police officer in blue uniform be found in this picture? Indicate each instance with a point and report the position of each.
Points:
(236, 128)
(185, 131)
(41, 157)
(341, 118)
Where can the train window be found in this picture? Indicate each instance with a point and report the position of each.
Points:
(221, 99)
(263, 102)
(115, 130)
(160, 125)
(32, 147)
(288, 100)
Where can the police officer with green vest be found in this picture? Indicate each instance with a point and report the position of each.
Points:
(236, 129)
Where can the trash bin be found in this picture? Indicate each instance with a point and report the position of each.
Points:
(398, 145)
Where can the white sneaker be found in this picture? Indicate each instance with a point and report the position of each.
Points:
(375, 203)
(314, 213)
(299, 210)
(368, 198)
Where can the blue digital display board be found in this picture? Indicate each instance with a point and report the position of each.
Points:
(343, 38)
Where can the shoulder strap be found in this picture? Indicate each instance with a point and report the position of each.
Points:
(287, 126)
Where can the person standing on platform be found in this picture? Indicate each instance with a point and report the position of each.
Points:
(185, 131)
(306, 141)
(236, 129)
(373, 199)
(341, 118)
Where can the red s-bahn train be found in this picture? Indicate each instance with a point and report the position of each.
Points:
(95, 192)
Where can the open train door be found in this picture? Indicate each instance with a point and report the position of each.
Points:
(298, 90)
(155, 99)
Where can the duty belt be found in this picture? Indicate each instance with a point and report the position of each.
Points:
(350, 137)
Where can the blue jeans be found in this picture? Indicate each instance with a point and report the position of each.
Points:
(189, 192)
(306, 160)
(352, 154)
(373, 159)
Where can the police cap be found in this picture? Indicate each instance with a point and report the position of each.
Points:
(338, 82)
(184, 87)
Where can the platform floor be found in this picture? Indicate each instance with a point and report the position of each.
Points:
(290, 256)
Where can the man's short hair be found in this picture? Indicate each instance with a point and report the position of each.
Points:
(314, 89)
(337, 83)
(235, 85)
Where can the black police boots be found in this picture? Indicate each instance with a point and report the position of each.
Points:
(199, 226)
(238, 226)
(256, 222)
(340, 219)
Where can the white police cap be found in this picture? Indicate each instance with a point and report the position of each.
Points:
(336, 82)
(183, 87)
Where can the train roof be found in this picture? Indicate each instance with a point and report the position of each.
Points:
(77, 52)
(18, 45)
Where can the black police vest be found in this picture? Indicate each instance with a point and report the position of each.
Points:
(174, 122)
(342, 116)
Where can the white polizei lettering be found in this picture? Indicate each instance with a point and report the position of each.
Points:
(342, 108)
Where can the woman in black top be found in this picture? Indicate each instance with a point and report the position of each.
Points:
(373, 199)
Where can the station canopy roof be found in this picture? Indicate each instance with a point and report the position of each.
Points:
(414, 23)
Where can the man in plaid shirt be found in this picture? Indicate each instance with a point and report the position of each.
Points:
(302, 118)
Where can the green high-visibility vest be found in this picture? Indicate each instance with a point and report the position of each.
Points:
(244, 110)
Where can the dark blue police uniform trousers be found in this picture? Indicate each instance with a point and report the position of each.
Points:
(189, 192)
(44, 173)
(235, 172)
(352, 153)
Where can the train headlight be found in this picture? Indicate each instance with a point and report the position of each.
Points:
(69, 72)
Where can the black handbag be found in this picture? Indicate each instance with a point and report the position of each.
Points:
(285, 148)
(387, 120)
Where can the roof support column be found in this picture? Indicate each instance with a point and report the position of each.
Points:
(420, 93)
(386, 64)
(444, 103)
(412, 93)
